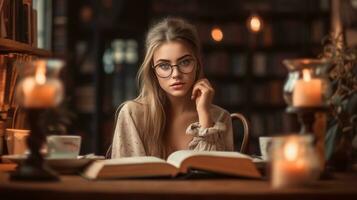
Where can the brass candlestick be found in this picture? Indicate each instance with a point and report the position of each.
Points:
(34, 168)
(306, 116)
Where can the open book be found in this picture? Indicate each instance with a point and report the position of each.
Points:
(179, 162)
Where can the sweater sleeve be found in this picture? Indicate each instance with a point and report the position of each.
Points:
(219, 137)
(126, 140)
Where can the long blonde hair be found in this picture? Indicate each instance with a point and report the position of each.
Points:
(151, 96)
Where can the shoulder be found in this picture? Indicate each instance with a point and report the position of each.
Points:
(132, 108)
(219, 113)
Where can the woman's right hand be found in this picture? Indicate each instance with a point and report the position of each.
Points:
(203, 94)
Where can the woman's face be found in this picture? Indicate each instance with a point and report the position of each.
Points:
(175, 68)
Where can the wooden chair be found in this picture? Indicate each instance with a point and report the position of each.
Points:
(244, 121)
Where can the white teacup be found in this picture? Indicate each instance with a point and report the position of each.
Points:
(16, 140)
(63, 146)
(265, 144)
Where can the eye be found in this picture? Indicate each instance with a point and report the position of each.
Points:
(164, 66)
(185, 62)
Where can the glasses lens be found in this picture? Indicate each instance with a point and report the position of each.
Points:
(163, 69)
(186, 66)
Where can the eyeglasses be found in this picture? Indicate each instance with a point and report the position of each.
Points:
(165, 69)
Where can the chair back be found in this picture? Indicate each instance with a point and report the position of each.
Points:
(239, 116)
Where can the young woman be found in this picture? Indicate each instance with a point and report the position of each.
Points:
(174, 109)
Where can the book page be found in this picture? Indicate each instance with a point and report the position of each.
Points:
(134, 160)
(120, 166)
(177, 157)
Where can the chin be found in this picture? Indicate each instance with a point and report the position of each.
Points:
(178, 93)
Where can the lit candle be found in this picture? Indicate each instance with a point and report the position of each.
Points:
(39, 92)
(292, 169)
(307, 91)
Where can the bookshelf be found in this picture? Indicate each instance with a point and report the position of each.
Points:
(18, 44)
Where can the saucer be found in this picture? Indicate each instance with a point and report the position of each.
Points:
(61, 165)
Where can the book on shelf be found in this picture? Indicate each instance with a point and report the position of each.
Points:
(239, 64)
(85, 98)
(10, 78)
(34, 28)
(178, 163)
(2, 79)
(17, 20)
(259, 64)
(3, 32)
(27, 24)
(217, 63)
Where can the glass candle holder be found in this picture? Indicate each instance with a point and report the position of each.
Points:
(40, 86)
(307, 84)
(294, 161)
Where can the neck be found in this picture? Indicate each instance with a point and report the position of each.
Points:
(179, 105)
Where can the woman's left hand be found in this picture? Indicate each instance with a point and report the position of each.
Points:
(203, 93)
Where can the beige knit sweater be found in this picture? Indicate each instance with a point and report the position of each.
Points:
(129, 129)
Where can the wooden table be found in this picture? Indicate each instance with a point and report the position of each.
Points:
(343, 186)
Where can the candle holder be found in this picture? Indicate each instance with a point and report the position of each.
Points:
(306, 89)
(294, 161)
(39, 90)
(306, 116)
(307, 83)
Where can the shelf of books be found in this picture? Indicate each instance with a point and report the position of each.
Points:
(19, 27)
(18, 45)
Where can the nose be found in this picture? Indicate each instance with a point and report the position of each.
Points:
(175, 72)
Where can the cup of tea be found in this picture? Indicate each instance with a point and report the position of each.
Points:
(16, 140)
(265, 144)
(63, 146)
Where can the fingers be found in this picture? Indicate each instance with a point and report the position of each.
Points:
(204, 82)
(202, 86)
(195, 92)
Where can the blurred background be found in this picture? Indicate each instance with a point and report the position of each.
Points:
(243, 44)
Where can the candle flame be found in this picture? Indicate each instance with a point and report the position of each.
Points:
(306, 75)
(27, 86)
(291, 151)
(40, 75)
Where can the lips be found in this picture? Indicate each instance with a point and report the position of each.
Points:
(177, 85)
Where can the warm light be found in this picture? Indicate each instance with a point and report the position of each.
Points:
(28, 86)
(291, 151)
(40, 75)
(306, 75)
(255, 23)
(217, 34)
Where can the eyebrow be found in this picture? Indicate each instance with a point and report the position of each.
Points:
(180, 58)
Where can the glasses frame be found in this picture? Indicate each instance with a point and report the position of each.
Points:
(172, 68)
